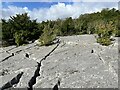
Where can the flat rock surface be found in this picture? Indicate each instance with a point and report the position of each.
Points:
(72, 61)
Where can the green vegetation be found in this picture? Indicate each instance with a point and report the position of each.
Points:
(19, 38)
(20, 29)
(47, 37)
(0, 31)
(105, 30)
(104, 41)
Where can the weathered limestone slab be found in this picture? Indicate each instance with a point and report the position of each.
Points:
(72, 61)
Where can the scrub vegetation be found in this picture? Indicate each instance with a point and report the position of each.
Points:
(20, 29)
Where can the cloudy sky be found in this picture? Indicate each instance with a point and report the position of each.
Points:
(43, 11)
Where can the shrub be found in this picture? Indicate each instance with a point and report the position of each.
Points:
(117, 33)
(104, 41)
(19, 39)
(47, 37)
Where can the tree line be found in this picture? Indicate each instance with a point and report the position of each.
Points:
(20, 29)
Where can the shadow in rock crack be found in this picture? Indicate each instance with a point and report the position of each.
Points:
(32, 81)
(57, 85)
(12, 82)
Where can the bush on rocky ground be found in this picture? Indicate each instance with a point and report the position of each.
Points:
(104, 41)
(19, 39)
(47, 37)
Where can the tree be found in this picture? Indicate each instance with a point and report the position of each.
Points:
(67, 27)
(105, 24)
(7, 33)
(20, 23)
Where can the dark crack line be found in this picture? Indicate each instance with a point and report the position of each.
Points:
(12, 82)
(17, 52)
(110, 68)
(32, 81)
(50, 52)
(100, 58)
(6, 58)
(9, 50)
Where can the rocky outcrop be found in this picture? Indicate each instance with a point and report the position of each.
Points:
(79, 61)
(32, 81)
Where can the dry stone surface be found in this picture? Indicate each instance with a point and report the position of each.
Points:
(72, 61)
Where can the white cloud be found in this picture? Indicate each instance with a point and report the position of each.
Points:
(12, 10)
(59, 10)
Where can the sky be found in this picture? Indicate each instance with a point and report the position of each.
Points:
(43, 11)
